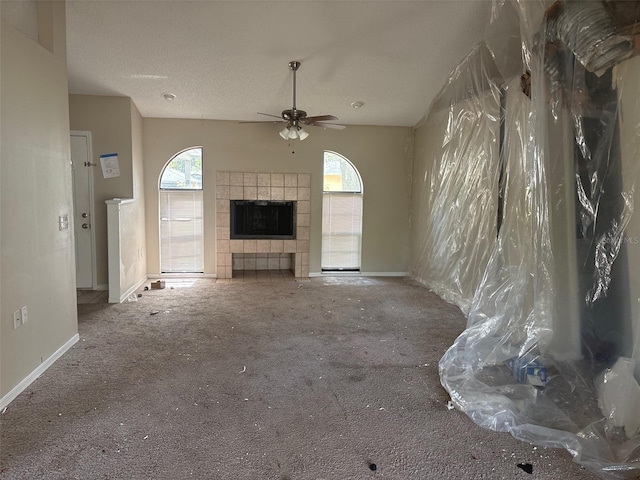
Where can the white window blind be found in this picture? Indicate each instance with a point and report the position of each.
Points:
(181, 231)
(341, 231)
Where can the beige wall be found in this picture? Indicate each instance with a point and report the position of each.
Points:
(109, 119)
(382, 155)
(37, 260)
(135, 247)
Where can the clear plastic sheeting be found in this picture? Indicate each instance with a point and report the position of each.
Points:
(525, 215)
(460, 162)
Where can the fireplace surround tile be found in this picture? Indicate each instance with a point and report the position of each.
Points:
(277, 246)
(250, 193)
(236, 246)
(264, 246)
(222, 178)
(250, 246)
(222, 192)
(290, 246)
(274, 263)
(302, 233)
(264, 193)
(222, 233)
(236, 178)
(303, 206)
(285, 262)
(304, 180)
(264, 179)
(249, 263)
(235, 193)
(222, 219)
(291, 180)
(223, 206)
(277, 179)
(303, 220)
(262, 263)
(224, 259)
(277, 193)
(261, 254)
(250, 180)
(290, 193)
(304, 193)
(223, 246)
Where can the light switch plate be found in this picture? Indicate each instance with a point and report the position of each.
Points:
(63, 222)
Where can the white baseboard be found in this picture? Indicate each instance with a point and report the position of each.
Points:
(383, 274)
(131, 289)
(181, 275)
(29, 379)
(358, 274)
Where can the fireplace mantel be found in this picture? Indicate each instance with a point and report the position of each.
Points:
(262, 186)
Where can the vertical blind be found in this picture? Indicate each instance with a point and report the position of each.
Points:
(341, 231)
(181, 231)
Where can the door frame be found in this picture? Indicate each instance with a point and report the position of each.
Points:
(87, 135)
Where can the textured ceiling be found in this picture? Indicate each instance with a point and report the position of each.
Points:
(228, 60)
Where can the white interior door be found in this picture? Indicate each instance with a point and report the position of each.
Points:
(83, 209)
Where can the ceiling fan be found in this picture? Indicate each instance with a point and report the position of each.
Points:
(295, 118)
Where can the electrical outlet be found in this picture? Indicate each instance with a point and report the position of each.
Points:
(16, 319)
(25, 314)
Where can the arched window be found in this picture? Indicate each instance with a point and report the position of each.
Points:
(181, 218)
(341, 215)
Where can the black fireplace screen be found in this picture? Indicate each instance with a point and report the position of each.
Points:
(263, 219)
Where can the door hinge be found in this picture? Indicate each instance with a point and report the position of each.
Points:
(89, 164)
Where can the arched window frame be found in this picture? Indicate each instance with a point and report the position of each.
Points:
(351, 166)
(181, 222)
(166, 166)
(341, 217)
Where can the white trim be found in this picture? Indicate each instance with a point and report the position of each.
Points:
(119, 201)
(181, 275)
(131, 289)
(358, 274)
(29, 379)
(383, 274)
(94, 262)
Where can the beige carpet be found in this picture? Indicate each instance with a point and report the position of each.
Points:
(334, 378)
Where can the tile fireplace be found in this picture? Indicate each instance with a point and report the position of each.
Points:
(258, 190)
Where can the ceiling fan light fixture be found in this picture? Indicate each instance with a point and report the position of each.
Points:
(291, 132)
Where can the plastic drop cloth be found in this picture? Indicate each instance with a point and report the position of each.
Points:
(525, 215)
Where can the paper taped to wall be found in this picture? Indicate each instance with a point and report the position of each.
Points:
(110, 165)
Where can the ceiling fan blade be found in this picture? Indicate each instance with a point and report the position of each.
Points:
(264, 121)
(269, 115)
(318, 118)
(334, 126)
